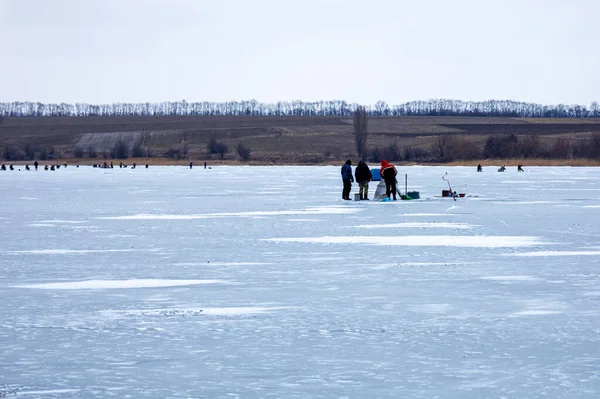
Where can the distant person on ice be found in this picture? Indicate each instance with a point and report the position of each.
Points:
(479, 168)
(347, 179)
(363, 177)
(36, 164)
(502, 168)
(389, 172)
(520, 168)
(191, 164)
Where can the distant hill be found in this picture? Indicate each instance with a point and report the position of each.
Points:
(290, 139)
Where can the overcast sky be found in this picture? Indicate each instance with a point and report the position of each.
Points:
(101, 51)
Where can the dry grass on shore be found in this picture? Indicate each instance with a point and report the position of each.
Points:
(528, 162)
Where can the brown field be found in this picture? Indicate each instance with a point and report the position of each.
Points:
(289, 140)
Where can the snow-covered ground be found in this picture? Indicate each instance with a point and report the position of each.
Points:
(258, 282)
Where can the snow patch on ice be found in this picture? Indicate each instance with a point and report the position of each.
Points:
(116, 284)
(427, 214)
(222, 311)
(425, 264)
(410, 225)
(555, 253)
(422, 241)
(331, 210)
(523, 202)
(592, 293)
(592, 206)
(63, 221)
(431, 308)
(540, 308)
(238, 311)
(73, 251)
(221, 264)
(47, 392)
(535, 312)
(509, 278)
(560, 181)
(418, 264)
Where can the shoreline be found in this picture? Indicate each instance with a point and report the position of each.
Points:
(198, 163)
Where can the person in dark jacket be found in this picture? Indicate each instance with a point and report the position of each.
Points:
(363, 177)
(479, 168)
(347, 179)
(388, 173)
(36, 164)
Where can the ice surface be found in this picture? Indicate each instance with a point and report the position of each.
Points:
(113, 284)
(490, 296)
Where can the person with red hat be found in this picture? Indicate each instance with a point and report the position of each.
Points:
(388, 173)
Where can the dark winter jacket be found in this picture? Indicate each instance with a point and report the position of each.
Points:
(362, 172)
(347, 171)
(388, 171)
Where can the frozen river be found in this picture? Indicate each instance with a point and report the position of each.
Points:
(261, 282)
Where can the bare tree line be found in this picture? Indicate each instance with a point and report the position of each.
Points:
(433, 107)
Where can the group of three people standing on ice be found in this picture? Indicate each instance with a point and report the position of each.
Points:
(363, 176)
